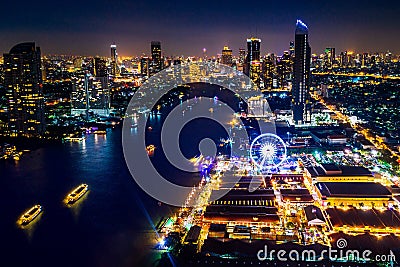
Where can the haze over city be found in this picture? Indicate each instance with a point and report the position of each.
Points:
(88, 27)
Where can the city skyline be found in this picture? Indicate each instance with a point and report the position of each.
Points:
(196, 134)
(205, 25)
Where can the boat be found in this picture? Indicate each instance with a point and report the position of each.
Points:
(150, 150)
(77, 193)
(73, 139)
(30, 215)
(16, 155)
(100, 132)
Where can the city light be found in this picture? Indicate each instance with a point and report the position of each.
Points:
(307, 151)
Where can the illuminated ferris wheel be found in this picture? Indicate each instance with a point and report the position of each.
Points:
(267, 151)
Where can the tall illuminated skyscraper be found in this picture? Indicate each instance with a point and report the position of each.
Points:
(114, 60)
(253, 49)
(301, 76)
(253, 62)
(269, 74)
(23, 85)
(226, 57)
(156, 59)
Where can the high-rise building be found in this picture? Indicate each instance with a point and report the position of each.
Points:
(114, 60)
(156, 59)
(242, 55)
(253, 49)
(101, 75)
(284, 70)
(301, 76)
(329, 57)
(226, 57)
(269, 68)
(144, 66)
(350, 59)
(343, 59)
(347, 59)
(364, 60)
(242, 60)
(23, 85)
(90, 95)
(291, 48)
(100, 67)
(253, 62)
(255, 72)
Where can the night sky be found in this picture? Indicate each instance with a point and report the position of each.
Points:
(88, 27)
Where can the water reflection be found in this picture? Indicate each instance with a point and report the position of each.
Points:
(76, 207)
(30, 228)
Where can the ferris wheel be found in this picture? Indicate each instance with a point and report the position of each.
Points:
(267, 151)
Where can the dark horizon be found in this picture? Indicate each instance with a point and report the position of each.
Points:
(184, 28)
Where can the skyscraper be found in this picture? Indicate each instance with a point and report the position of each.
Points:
(100, 67)
(226, 57)
(253, 49)
(291, 48)
(301, 77)
(90, 94)
(329, 57)
(156, 59)
(144, 66)
(114, 60)
(284, 69)
(242, 59)
(101, 77)
(269, 72)
(253, 63)
(23, 85)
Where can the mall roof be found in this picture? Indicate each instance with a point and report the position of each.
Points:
(298, 194)
(353, 189)
(217, 227)
(338, 170)
(242, 214)
(253, 210)
(244, 218)
(193, 234)
(245, 194)
(379, 219)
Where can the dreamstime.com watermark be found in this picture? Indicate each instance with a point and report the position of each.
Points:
(341, 253)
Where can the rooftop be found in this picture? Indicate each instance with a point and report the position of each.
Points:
(299, 195)
(301, 27)
(378, 219)
(241, 213)
(335, 170)
(353, 189)
(313, 213)
(23, 48)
